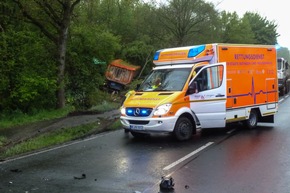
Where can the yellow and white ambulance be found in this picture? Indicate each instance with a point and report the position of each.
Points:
(204, 86)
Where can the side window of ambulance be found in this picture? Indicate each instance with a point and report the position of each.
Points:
(209, 78)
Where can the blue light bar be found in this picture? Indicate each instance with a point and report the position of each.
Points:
(195, 51)
(130, 112)
(138, 112)
(156, 55)
(144, 112)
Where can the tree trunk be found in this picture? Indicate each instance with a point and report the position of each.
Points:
(61, 68)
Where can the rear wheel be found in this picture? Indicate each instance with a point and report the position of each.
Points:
(183, 129)
(252, 122)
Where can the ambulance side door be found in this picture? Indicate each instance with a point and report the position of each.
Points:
(207, 94)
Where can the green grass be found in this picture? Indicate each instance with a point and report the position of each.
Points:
(115, 125)
(19, 118)
(2, 140)
(58, 137)
(105, 106)
(55, 137)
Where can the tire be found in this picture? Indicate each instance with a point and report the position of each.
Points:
(286, 88)
(282, 91)
(252, 122)
(183, 129)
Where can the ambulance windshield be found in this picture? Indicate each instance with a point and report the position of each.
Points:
(172, 79)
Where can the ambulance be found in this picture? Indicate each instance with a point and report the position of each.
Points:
(204, 86)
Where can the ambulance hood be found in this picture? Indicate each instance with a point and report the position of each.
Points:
(150, 99)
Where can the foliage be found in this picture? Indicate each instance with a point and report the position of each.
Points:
(27, 71)
(53, 19)
(263, 29)
(37, 61)
(139, 53)
(3, 140)
(235, 30)
(134, 84)
(87, 44)
(284, 53)
(185, 19)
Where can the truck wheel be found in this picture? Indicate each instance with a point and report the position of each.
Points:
(183, 129)
(282, 91)
(286, 88)
(252, 122)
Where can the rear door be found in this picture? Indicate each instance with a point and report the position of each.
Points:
(208, 101)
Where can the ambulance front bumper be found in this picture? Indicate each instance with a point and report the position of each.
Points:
(149, 125)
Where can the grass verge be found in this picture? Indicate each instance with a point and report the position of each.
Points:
(58, 137)
(19, 118)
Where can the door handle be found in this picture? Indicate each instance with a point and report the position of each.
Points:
(219, 95)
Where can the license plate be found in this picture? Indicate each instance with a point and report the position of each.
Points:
(136, 127)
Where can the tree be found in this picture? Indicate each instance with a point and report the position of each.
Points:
(139, 53)
(85, 76)
(284, 53)
(183, 19)
(53, 19)
(235, 30)
(265, 31)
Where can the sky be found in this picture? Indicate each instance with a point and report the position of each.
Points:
(272, 10)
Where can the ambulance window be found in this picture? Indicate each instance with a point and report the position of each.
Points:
(209, 78)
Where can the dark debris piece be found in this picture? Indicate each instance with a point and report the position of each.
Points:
(15, 170)
(81, 177)
(166, 183)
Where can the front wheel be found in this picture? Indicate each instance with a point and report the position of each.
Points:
(252, 122)
(183, 129)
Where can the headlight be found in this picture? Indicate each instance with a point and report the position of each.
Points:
(123, 110)
(162, 109)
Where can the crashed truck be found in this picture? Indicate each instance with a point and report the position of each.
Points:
(119, 74)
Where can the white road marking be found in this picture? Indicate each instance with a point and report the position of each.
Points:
(282, 99)
(231, 131)
(187, 156)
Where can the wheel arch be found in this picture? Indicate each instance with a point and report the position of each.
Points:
(258, 111)
(190, 117)
(187, 112)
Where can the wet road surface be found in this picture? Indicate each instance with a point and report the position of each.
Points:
(225, 160)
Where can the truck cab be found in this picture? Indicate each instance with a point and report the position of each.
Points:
(283, 72)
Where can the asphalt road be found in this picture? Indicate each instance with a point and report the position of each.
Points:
(218, 161)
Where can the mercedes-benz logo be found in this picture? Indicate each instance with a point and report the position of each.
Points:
(137, 112)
